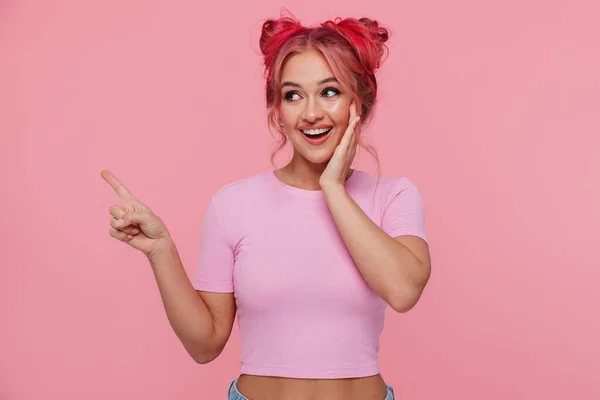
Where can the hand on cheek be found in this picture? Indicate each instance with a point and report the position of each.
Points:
(337, 169)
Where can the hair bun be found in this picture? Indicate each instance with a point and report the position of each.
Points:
(376, 32)
(367, 39)
(276, 31)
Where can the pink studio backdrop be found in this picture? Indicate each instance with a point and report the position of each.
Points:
(492, 108)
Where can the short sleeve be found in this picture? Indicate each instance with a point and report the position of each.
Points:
(404, 212)
(214, 272)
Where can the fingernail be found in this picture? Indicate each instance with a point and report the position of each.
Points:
(119, 222)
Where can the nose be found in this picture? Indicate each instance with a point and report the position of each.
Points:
(312, 111)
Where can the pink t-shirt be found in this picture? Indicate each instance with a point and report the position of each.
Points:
(304, 309)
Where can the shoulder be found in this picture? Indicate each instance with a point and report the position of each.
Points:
(241, 186)
(388, 188)
(401, 184)
(404, 191)
(238, 194)
(232, 204)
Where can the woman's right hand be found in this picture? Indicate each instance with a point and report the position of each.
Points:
(133, 222)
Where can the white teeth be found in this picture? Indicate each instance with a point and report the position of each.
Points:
(316, 131)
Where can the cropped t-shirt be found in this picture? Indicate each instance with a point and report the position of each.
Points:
(304, 310)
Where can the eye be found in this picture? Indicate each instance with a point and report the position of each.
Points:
(330, 92)
(290, 96)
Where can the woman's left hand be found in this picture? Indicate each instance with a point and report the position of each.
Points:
(338, 167)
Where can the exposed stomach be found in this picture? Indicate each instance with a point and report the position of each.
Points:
(276, 388)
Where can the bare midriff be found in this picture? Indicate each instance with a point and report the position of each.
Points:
(276, 388)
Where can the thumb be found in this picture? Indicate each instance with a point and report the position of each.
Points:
(133, 217)
(148, 223)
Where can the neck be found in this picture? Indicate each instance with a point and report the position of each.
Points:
(302, 173)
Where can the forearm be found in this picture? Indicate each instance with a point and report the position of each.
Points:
(390, 268)
(189, 317)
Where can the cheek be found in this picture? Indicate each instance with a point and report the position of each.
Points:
(288, 115)
(339, 111)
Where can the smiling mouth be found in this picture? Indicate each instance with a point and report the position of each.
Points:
(316, 133)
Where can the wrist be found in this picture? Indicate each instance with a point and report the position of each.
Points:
(163, 248)
(330, 187)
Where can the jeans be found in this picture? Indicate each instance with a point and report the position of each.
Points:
(234, 394)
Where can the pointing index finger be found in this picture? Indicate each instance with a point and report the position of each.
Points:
(117, 185)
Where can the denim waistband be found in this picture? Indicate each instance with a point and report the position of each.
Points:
(234, 394)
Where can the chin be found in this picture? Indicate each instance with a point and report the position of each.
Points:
(317, 156)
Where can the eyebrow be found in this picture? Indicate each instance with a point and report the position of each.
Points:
(321, 82)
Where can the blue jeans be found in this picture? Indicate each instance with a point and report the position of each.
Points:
(234, 394)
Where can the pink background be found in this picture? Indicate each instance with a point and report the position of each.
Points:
(491, 108)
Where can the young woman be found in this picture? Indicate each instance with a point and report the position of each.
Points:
(310, 255)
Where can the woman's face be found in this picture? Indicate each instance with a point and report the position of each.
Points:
(314, 110)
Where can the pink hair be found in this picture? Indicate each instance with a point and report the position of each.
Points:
(353, 49)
